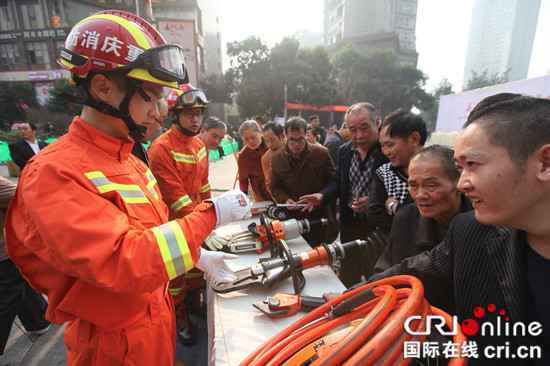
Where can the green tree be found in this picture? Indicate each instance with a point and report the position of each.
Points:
(249, 71)
(260, 78)
(381, 80)
(15, 99)
(320, 87)
(219, 87)
(252, 91)
(430, 115)
(306, 72)
(60, 105)
(245, 54)
(347, 65)
(281, 67)
(484, 79)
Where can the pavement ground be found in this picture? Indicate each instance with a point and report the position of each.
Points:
(27, 349)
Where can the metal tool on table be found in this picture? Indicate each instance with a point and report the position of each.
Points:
(276, 211)
(265, 235)
(271, 271)
(283, 304)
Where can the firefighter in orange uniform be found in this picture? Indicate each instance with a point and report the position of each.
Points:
(179, 161)
(178, 158)
(88, 227)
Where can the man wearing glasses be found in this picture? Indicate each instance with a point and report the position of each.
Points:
(299, 169)
(179, 162)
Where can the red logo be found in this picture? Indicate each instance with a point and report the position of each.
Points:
(241, 200)
(471, 326)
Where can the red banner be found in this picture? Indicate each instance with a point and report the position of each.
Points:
(309, 107)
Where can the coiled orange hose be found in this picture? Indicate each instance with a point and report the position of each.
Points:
(378, 338)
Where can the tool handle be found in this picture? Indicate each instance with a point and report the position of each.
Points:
(325, 254)
(348, 305)
(311, 302)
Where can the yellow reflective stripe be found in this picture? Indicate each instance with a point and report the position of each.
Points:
(173, 249)
(193, 275)
(180, 203)
(205, 188)
(183, 158)
(130, 193)
(151, 184)
(100, 181)
(129, 26)
(176, 291)
(202, 153)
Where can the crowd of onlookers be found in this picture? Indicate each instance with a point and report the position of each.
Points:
(116, 240)
(372, 178)
(359, 178)
(470, 222)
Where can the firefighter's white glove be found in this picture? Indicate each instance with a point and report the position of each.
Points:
(216, 242)
(214, 266)
(231, 206)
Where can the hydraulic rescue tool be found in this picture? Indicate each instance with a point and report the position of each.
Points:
(271, 209)
(265, 235)
(271, 271)
(283, 304)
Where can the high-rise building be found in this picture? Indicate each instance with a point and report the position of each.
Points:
(501, 38)
(207, 27)
(308, 39)
(372, 24)
(31, 32)
(205, 14)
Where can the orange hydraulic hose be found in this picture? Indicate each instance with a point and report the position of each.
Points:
(322, 326)
(358, 336)
(387, 335)
(394, 354)
(377, 339)
(368, 325)
(459, 338)
(316, 314)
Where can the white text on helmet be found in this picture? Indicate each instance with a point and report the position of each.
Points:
(110, 44)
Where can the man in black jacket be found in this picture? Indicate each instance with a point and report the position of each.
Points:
(357, 161)
(21, 151)
(335, 140)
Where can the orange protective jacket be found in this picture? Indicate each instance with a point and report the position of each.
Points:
(180, 163)
(88, 228)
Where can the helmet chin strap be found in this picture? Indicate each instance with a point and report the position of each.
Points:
(136, 131)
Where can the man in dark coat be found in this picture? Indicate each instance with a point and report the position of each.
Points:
(21, 151)
(298, 169)
(358, 159)
(335, 140)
